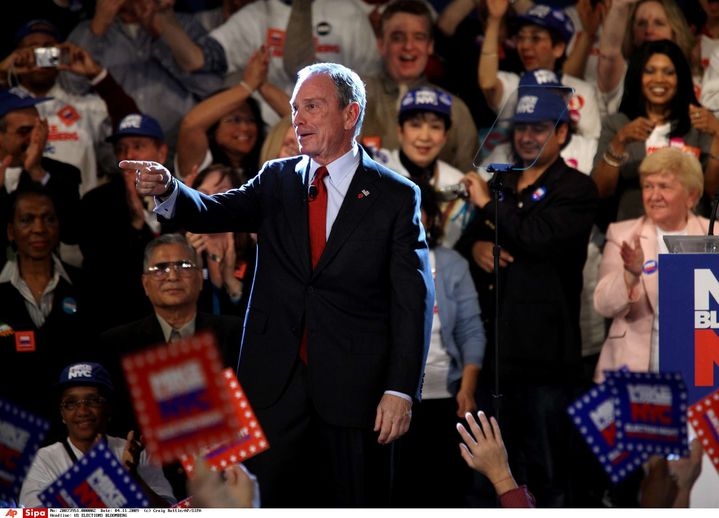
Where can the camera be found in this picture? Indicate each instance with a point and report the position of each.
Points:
(452, 192)
(47, 57)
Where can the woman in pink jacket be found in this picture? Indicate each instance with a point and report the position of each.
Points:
(672, 182)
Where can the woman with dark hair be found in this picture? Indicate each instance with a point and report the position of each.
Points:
(227, 259)
(227, 127)
(453, 363)
(658, 109)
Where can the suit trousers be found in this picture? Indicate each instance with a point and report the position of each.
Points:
(313, 463)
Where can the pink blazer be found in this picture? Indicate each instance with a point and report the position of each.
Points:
(629, 339)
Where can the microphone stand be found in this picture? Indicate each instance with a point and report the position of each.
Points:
(497, 185)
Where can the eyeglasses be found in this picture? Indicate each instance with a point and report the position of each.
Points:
(71, 405)
(162, 270)
(238, 119)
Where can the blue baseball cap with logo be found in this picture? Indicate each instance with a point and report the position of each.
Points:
(34, 26)
(16, 99)
(547, 17)
(85, 373)
(426, 99)
(541, 105)
(137, 125)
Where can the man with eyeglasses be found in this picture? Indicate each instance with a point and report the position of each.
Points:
(85, 393)
(546, 211)
(542, 35)
(172, 282)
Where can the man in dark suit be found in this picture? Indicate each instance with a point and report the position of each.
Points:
(172, 282)
(341, 305)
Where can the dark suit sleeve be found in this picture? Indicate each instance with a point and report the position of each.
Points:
(412, 299)
(235, 210)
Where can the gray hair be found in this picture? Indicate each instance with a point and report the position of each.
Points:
(350, 88)
(167, 239)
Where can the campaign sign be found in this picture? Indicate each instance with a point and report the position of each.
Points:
(248, 442)
(704, 417)
(96, 480)
(20, 436)
(689, 321)
(593, 415)
(650, 410)
(180, 397)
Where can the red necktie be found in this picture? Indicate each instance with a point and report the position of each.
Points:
(317, 210)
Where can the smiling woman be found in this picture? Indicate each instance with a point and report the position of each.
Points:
(658, 109)
(671, 183)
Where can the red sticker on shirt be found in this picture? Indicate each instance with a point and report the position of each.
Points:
(25, 341)
(68, 115)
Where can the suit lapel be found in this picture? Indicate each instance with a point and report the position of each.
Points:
(294, 200)
(362, 194)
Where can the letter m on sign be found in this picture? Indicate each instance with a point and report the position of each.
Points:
(706, 341)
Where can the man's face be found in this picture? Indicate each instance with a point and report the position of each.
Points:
(535, 48)
(405, 46)
(324, 130)
(42, 78)
(15, 139)
(530, 139)
(422, 137)
(84, 411)
(179, 288)
(139, 148)
(34, 227)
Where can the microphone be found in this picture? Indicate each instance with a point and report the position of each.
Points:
(313, 192)
(713, 216)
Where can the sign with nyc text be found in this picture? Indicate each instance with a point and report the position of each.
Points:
(689, 320)
(181, 397)
(593, 415)
(20, 436)
(97, 480)
(650, 410)
(248, 442)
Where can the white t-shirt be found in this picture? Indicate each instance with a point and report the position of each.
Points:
(436, 368)
(78, 124)
(341, 29)
(583, 106)
(52, 461)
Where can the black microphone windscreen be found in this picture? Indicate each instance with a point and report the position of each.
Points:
(313, 192)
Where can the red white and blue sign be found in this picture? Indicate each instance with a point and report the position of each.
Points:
(650, 410)
(689, 320)
(180, 397)
(97, 480)
(21, 434)
(704, 418)
(593, 415)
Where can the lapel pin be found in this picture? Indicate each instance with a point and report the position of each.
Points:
(364, 193)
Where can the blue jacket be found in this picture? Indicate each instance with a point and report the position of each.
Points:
(458, 306)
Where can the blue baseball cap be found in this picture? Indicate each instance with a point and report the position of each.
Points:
(540, 77)
(541, 105)
(547, 17)
(37, 25)
(85, 373)
(137, 125)
(426, 99)
(16, 99)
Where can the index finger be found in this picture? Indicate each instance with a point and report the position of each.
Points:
(139, 165)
